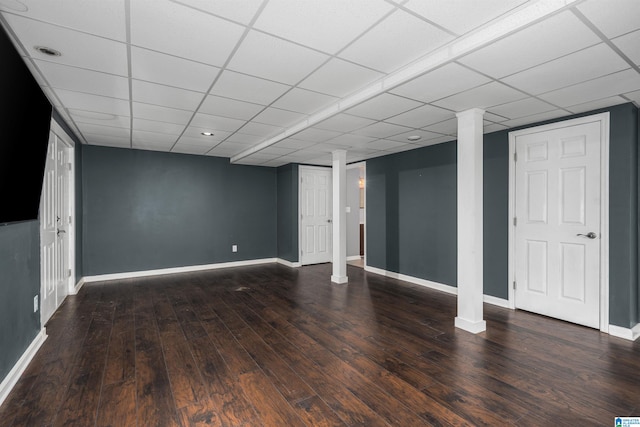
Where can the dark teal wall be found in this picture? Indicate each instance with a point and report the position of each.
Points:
(411, 223)
(146, 210)
(19, 283)
(288, 212)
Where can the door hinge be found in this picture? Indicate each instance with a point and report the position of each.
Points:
(70, 218)
(514, 285)
(515, 221)
(515, 157)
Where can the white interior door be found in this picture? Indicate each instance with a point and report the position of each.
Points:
(315, 215)
(54, 222)
(558, 225)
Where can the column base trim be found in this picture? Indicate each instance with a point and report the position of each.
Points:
(339, 279)
(473, 327)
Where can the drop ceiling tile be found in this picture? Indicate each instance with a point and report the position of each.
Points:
(613, 18)
(522, 108)
(102, 119)
(239, 11)
(325, 147)
(384, 106)
(245, 139)
(634, 96)
(78, 49)
(158, 127)
(434, 141)
(304, 101)
(448, 127)
(230, 148)
(275, 59)
(423, 134)
(232, 108)
(577, 67)
(160, 26)
(316, 135)
(340, 78)
(278, 117)
(102, 18)
(629, 44)
(344, 123)
(276, 151)
(494, 127)
(536, 118)
(276, 163)
(532, 46)
(163, 114)
(463, 15)
(152, 139)
(216, 123)
(248, 88)
(594, 105)
(89, 128)
(603, 87)
(80, 80)
(421, 116)
(379, 48)
(382, 130)
(351, 140)
(387, 145)
(190, 149)
(89, 102)
(107, 140)
(151, 93)
(149, 146)
(484, 96)
(169, 70)
(296, 144)
(444, 81)
(192, 138)
(261, 130)
(401, 148)
(326, 25)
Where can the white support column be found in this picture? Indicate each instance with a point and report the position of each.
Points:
(470, 194)
(339, 256)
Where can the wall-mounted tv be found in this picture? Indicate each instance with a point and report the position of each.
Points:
(25, 117)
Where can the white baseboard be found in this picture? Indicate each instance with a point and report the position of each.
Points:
(288, 263)
(78, 286)
(354, 258)
(626, 333)
(435, 285)
(14, 375)
(174, 270)
(473, 327)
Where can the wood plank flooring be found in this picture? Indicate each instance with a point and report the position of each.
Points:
(274, 346)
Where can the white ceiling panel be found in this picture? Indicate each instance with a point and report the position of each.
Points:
(171, 71)
(234, 10)
(481, 97)
(248, 88)
(540, 117)
(104, 130)
(158, 113)
(304, 101)
(494, 127)
(351, 140)
(178, 30)
(603, 87)
(216, 123)
(452, 78)
(219, 106)
(594, 105)
(102, 18)
(522, 108)
(382, 130)
(384, 106)
(159, 127)
(316, 135)
(326, 25)
(241, 138)
(379, 47)
(229, 148)
(80, 80)
(423, 134)
(344, 123)
(89, 102)
(151, 93)
(189, 149)
(278, 117)
(78, 49)
(277, 151)
(587, 64)
(102, 119)
(339, 78)
(629, 44)
(462, 16)
(261, 130)
(422, 116)
(190, 137)
(634, 96)
(550, 39)
(153, 138)
(613, 18)
(296, 144)
(275, 59)
(448, 127)
(107, 140)
(387, 144)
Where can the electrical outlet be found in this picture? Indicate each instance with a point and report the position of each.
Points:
(35, 304)
(234, 248)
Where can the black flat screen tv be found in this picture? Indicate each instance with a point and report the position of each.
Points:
(25, 118)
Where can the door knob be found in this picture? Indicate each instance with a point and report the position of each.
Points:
(329, 221)
(589, 235)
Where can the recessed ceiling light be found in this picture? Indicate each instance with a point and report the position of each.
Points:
(47, 51)
(414, 138)
(207, 133)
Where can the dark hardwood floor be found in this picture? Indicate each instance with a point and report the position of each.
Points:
(274, 346)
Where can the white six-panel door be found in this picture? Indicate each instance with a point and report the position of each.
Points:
(558, 224)
(315, 215)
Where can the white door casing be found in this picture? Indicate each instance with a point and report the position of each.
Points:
(315, 215)
(558, 196)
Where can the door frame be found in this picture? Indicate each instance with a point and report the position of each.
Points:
(603, 119)
(300, 201)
